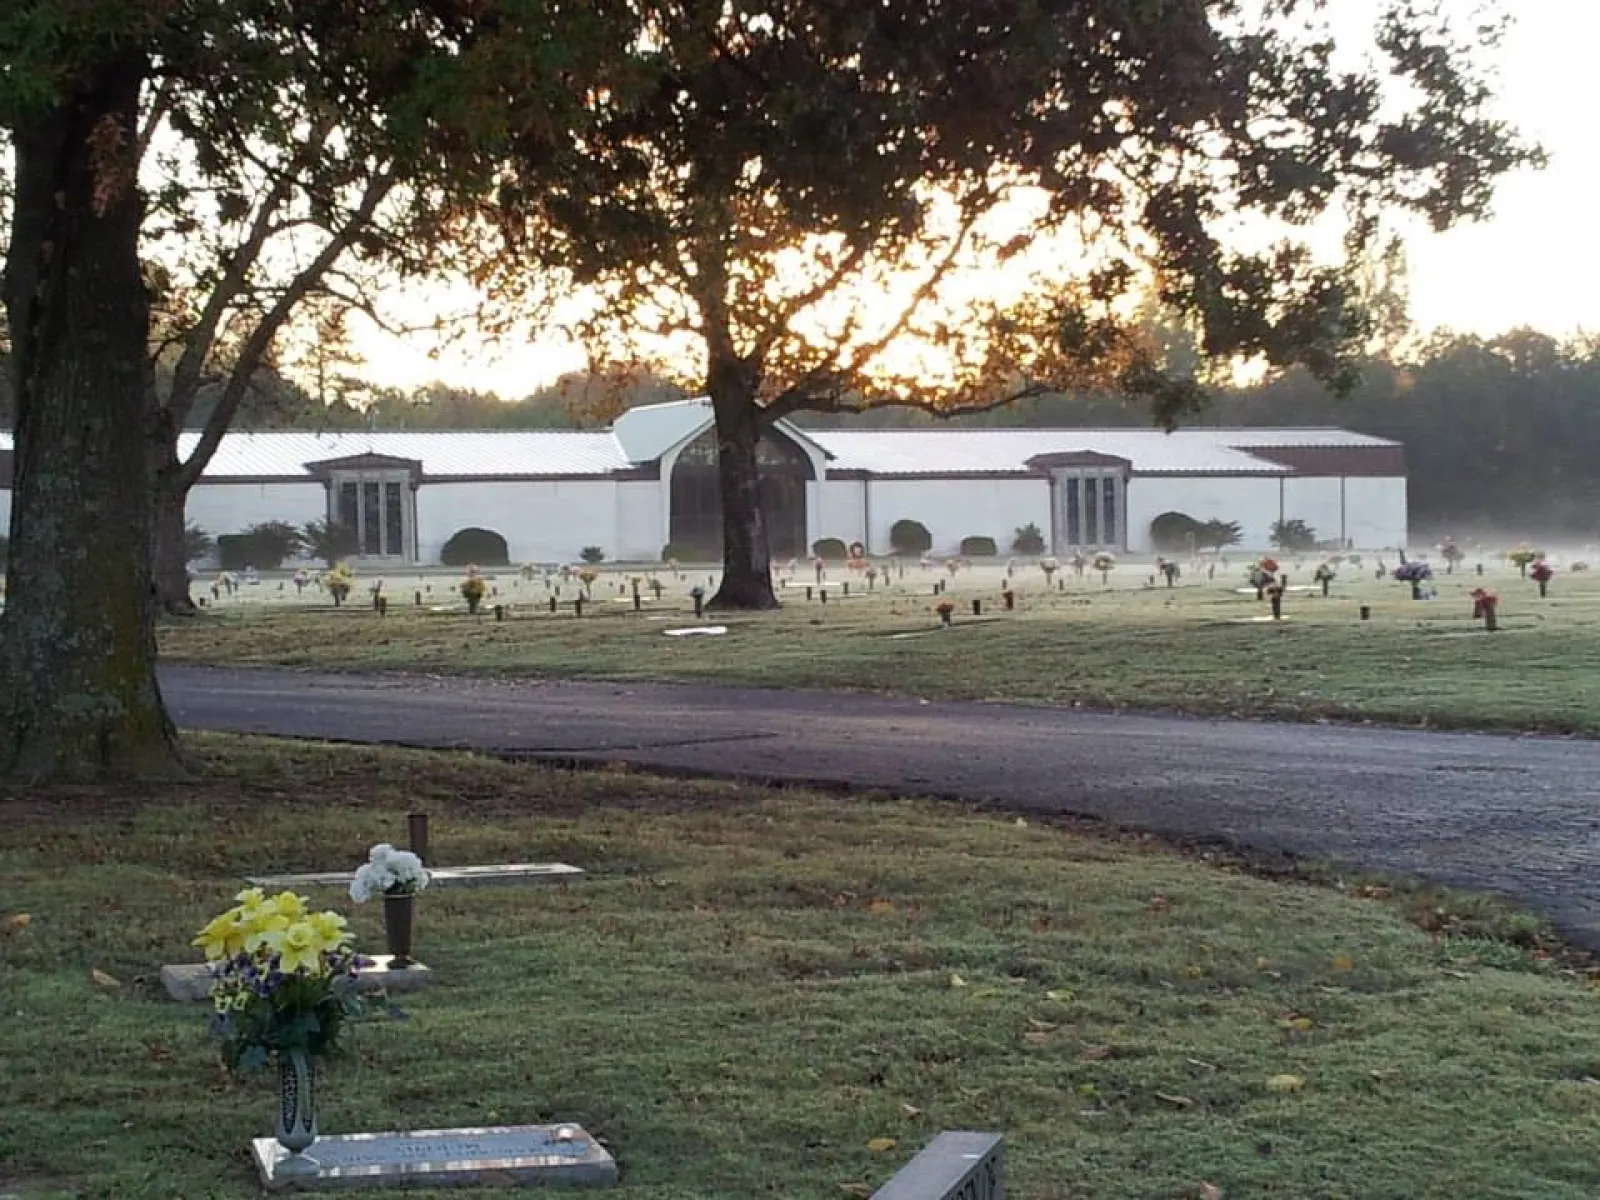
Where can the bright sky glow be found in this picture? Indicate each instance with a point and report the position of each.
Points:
(1537, 262)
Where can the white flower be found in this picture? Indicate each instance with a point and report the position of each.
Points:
(390, 872)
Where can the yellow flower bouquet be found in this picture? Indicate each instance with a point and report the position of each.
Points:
(284, 978)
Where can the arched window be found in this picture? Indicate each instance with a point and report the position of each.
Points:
(696, 520)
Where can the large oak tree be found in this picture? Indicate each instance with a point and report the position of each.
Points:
(798, 196)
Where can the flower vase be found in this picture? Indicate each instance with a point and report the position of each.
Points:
(297, 1111)
(398, 912)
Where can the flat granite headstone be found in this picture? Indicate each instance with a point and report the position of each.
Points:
(496, 1156)
(440, 876)
(192, 981)
(956, 1165)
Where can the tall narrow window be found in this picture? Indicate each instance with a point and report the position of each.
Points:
(394, 540)
(350, 505)
(1074, 510)
(1108, 509)
(1091, 512)
(371, 521)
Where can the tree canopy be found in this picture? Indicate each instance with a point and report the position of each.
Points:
(805, 196)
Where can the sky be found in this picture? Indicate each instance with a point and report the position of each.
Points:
(1536, 262)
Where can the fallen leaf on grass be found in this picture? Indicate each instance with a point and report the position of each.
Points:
(1158, 904)
(1061, 997)
(1096, 1053)
(1210, 1191)
(1045, 1026)
(880, 905)
(1343, 962)
(957, 981)
(1035, 1037)
(856, 1189)
(1175, 1101)
(1286, 1083)
(100, 979)
(910, 1110)
(880, 1145)
(1300, 1024)
(18, 921)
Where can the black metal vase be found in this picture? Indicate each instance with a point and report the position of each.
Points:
(398, 916)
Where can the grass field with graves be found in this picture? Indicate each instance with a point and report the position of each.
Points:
(1206, 645)
(780, 993)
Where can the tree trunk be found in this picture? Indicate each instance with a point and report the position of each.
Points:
(77, 639)
(169, 557)
(746, 561)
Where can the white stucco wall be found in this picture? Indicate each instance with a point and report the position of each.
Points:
(953, 509)
(840, 511)
(1373, 515)
(641, 521)
(220, 508)
(541, 522)
(1248, 499)
(1375, 511)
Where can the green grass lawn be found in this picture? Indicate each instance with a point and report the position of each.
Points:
(754, 986)
(1200, 647)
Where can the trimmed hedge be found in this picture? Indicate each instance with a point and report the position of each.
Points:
(978, 546)
(1174, 532)
(910, 537)
(1029, 540)
(833, 549)
(473, 546)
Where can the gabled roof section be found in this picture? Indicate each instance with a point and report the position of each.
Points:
(365, 462)
(645, 433)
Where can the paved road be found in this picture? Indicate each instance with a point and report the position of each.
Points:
(1516, 815)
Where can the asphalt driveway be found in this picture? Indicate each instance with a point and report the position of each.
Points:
(1515, 815)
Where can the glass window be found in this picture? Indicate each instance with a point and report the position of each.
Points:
(1072, 485)
(372, 520)
(394, 540)
(1091, 512)
(1108, 506)
(349, 505)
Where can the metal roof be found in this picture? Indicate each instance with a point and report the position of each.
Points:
(1006, 451)
(642, 435)
(486, 453)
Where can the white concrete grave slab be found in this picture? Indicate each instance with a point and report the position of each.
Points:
(475, 876)
(191, 982)
(493, 1156)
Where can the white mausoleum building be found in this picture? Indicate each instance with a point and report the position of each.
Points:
(650, 481)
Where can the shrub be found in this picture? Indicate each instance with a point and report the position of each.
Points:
(474, 546)
(1174, 532)
(1293, 536)
(832, 549)
(1215, 535)
(592, 554)
(910, 537)
(329, 541)
(197, 543)
(262, 546)
(1029, 540)
(978, 546)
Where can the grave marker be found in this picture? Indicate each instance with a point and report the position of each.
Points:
(514, 1155)
(956, 1165)
(441, 876)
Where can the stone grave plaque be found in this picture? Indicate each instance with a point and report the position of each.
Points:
(479, 876)
(192, 981)
(495, 1156)
(956, 1165)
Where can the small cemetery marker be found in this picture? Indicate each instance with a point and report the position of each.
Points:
(518, 1155)
(956, 1165)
